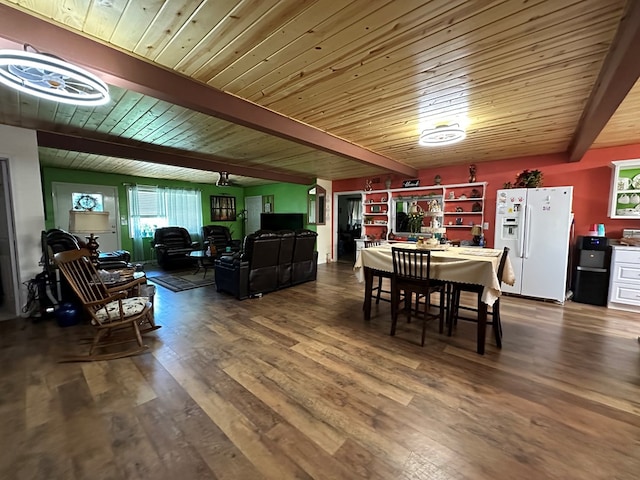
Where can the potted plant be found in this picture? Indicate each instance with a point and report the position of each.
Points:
(526, 179)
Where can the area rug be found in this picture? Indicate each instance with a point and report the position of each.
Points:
(180, 281)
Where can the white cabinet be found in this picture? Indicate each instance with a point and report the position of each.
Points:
(624, 196)
(624, 285)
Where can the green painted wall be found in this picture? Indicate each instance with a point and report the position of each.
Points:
(287, 197)
(50, 175)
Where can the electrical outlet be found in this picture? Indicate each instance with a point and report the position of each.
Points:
(485, 225)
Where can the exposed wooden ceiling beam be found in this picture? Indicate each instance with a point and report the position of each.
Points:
(138, 75)
(619, 72)
(176, 158)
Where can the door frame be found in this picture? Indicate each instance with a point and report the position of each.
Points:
(335, 222)
(13, 274)
(92, 188)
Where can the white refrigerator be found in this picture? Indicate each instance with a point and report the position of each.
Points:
(535, 223)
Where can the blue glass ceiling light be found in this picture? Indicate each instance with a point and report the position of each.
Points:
(442, 135)
(50, 77)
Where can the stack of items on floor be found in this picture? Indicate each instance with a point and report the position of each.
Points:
(269, 261)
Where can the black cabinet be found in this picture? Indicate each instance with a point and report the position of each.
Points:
(591, 275)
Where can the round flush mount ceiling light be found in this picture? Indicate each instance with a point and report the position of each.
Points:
(52, 78)
(442, 135)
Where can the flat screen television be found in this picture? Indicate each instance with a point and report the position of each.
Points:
(281, 221)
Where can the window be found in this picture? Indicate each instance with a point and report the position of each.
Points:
(154, 207)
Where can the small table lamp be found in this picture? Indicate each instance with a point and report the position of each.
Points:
(88, 222)
(476, 231)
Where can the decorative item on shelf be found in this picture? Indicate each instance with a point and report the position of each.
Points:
(411, 183)
(459, 221)
(383, 199)
(437, 180)
(476, 207)
(472, 173)
(367, 186)
(387, 183)
(452, 195)
(462, 197)
(526, 179)
(459, 209)
(475, 193)
(367, 220)
(415, 217)
(434, 206)
(375, 208)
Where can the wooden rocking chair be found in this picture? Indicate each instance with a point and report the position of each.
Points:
(118, 319)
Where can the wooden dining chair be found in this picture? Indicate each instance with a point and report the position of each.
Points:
(117, 318)
(412, 275)
(493, 314)
(376, 291)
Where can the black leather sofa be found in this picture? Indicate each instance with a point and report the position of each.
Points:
(269, 261)
(173, 246)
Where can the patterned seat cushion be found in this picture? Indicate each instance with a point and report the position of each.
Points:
(130, 306)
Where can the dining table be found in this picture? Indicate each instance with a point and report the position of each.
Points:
(466, 265)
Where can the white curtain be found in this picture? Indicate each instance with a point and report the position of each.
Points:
(354, 208)
(153, 207)
(184, 209)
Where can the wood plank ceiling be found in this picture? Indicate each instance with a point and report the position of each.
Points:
(291, 90)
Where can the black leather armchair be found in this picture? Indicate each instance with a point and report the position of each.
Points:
(173, 245)
(58, 240)
(220, 237)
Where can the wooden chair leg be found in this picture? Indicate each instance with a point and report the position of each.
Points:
(395, 306)
(379, 290)
(497, 325)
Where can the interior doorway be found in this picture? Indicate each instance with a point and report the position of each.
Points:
(253, 205)
(9, 280)
(348, 224)
(107, 199)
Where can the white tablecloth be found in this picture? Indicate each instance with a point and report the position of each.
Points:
(457, 264)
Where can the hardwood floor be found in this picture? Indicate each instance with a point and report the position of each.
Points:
(296, 385)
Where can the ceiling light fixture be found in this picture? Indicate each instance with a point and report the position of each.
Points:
(223, 181)
(50, 77)
(442, 135)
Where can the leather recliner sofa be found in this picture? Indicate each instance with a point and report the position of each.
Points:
(269, 261)
(173, 245)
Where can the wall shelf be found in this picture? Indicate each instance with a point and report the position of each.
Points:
(394, 201)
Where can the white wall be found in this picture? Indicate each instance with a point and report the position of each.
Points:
(20, 147)
(324, 231)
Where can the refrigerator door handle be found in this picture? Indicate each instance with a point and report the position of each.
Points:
(527, 233)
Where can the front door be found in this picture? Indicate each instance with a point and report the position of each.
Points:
(63, 194)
